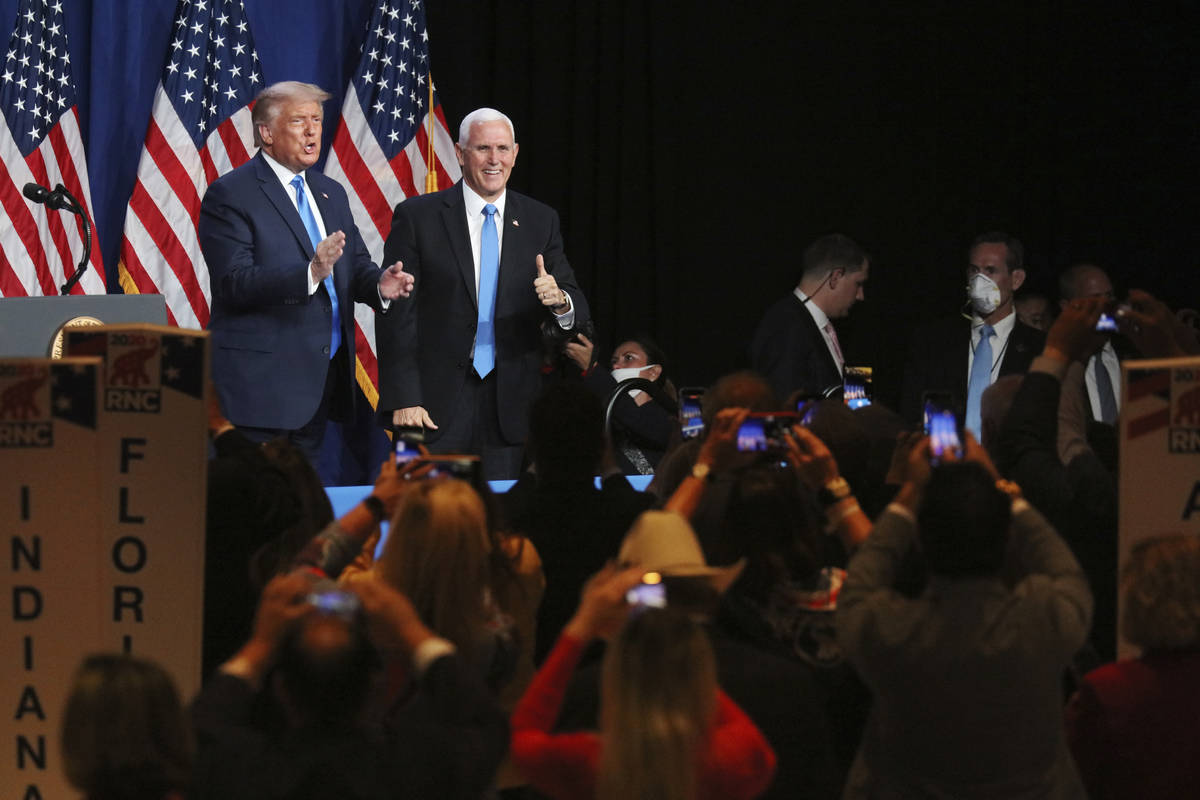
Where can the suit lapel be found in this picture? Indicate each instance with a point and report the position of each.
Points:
(510, 271)
(818, 337)
(277, 196)
(328, 216)
(454, 218)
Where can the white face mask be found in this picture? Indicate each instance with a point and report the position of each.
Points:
(983, 293)
(625, 373)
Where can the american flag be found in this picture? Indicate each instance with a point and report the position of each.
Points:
(40, 143)
(200, 129)
(380, 148)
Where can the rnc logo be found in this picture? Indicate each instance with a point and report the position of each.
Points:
(25, 406)
(1185, 422)
(134, 372)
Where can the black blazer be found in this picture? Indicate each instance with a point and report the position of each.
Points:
(425, 340)
(789, 350)
(937, 360)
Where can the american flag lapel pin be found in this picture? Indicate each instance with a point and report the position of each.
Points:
(324, 195)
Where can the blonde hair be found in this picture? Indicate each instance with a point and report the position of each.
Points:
(437, 553)
(1161, 587)
(658, 703)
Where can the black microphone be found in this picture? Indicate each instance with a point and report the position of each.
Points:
(61, 199)
(36, 192)
(58, 200)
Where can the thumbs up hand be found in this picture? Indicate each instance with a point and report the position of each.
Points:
(547, 289)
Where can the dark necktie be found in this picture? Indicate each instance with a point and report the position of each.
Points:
(1104, 391)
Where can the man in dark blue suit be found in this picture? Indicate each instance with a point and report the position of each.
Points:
(795, 346)
(286, 265)
(467, 369)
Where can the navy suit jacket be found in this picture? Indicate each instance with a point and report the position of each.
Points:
(937, 360)
(270, 336)
(425, 341)
(790, 352)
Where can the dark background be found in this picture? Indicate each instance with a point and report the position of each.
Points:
(693, 150)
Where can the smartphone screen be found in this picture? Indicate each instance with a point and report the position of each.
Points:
(1106, 322)
(752, 435)
(691, 424)
(856, 387)
(942, 425)
(407, 438)
(761, 432)
(650, 593)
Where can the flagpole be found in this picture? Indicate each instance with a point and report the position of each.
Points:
(431, 180)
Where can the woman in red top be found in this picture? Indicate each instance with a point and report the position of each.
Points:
(667, 730)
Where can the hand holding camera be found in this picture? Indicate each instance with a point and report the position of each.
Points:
(1074, 335)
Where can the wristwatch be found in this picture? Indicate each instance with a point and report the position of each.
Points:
(834, 491)
(703, 472)
(375, 506)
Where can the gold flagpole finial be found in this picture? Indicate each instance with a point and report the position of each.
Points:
(431, 179)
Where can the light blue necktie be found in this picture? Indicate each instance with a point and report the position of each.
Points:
(1104, 391)
(314, 235)
(981, 378)
(489, 274)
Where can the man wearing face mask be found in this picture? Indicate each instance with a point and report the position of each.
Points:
(966, 354)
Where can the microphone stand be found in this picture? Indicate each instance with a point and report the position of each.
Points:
(74, 207)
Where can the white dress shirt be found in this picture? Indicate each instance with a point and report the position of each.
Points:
(822, 320)
(1003, 329)
(286, 176)
(1112, 365)
(474, 208)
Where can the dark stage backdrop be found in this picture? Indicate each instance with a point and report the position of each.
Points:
(694, 149)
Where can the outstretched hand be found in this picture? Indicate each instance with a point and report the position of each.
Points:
(602, 608)
(719, 449)
(391, 618)
(328, 251)
(1154, 330)
(580, 350)
(395, 282)
(810, 457)
(413, 417)
(1073, 336)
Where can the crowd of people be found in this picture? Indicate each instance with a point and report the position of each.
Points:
(844, 614)
(835, 603)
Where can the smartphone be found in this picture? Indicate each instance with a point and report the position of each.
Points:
(407, 438)
(650, 593)
(336, 602)
(856, 387)
(691, 424)
(1108, 317)
(464, 467)
(806, 407)
(943, 425)
(764, 432)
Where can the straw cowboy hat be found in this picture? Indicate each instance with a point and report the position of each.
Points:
(664, 542)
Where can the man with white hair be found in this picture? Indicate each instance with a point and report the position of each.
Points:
(462, 356)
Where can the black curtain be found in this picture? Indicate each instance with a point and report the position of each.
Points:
(693, 150)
